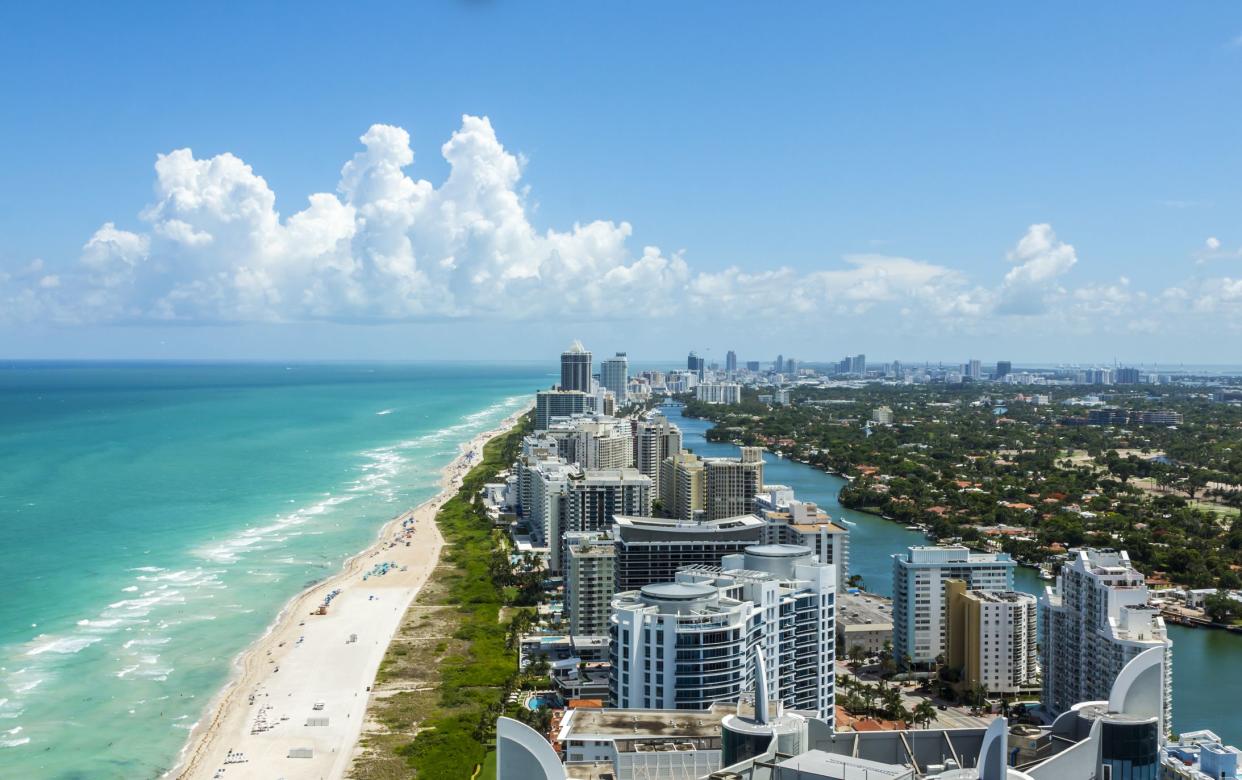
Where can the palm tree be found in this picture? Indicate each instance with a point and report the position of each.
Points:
(925, 713)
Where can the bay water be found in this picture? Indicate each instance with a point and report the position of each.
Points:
(1207, 665)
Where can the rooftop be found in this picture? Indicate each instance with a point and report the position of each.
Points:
(617, 723)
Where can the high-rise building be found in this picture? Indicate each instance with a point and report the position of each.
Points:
(655, 439)
(1003, 368)
(919, 575)
(1127, 376)
(882, 415)
(696, 365)
(973, 369)
(614, 375)
(576, 368)
(791, 366)
(683, 489)
(652, 549)
(731, 484)
(590, 581)
(546, 515)
(779, 365)
(596, 442)
(690, 643)
(731, 361)
(594, 496)
(991, 638)
(719, 393)
(804, 524)
(752, 365)
(857, 365)
(551, 404)
(1092, 623)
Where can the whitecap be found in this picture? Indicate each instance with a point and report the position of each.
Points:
(64, 645)
(130, 589)
(383, 412)
(100, 624)
(8, 743)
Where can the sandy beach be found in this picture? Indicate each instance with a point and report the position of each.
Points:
(298, 697)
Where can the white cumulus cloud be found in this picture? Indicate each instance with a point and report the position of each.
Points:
(384, 246)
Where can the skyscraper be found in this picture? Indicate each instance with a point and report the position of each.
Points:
(730, 361)
(655, 438)
(614, 375)
(576, 368)
(550, 404)
(990, 638)
(682, 490)
(1003, 368)
(779, 365)
(919, 576)
(686, 644)
(1094, 622)
(696, 364)
(731, 484)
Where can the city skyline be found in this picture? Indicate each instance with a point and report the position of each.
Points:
(275, 230)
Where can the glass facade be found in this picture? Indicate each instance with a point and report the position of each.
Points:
(1130, 751)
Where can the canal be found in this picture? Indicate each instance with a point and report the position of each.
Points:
(1207, 665)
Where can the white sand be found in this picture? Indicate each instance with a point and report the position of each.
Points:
(305, 659)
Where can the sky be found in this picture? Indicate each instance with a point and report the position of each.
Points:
(917, 181)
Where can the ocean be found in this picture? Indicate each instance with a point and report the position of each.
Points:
(155, 518)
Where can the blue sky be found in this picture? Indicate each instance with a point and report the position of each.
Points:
(914, 180)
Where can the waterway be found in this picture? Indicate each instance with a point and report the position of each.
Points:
(1207, 665)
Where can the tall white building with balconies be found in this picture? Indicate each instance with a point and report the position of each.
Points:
(719, 393)
(690, 643)
(1094, 621)
(919, 576)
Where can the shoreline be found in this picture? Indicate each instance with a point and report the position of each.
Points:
(328, 660)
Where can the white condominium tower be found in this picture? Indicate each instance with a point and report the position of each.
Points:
(919, 575)
(614, 375)
(1093, 622)
(689, 643)
(731, 484)
(719, 393)
(595, 442)
(576, 368)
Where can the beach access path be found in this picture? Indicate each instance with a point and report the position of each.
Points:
(298, 699)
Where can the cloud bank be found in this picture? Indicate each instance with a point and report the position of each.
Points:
(385, 247)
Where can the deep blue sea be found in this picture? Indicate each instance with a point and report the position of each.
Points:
(154, 518)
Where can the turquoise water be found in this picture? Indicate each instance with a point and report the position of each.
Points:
(156, 517)
(1207, 665)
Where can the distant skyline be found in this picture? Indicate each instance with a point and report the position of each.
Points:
(490, 180)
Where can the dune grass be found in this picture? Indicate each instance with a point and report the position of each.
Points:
(446, 674)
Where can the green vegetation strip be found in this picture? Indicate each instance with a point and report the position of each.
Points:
(447, 674)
